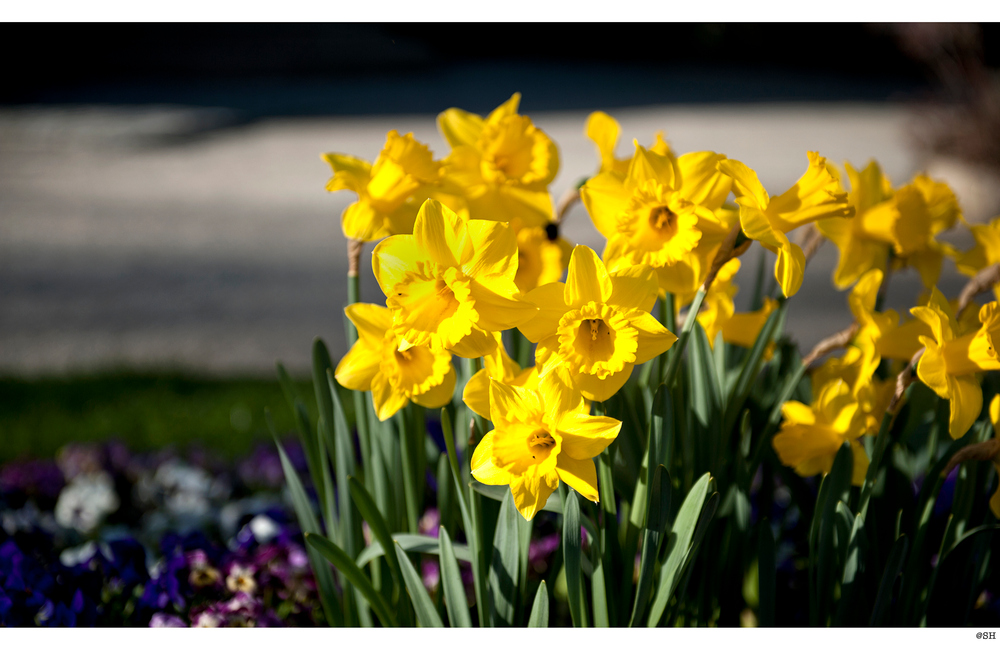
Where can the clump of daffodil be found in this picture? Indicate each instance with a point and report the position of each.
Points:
(816, 195)
(592, 330)
(542, 256)
(950, 360)
(539, 438)
(810, 436)
(451, 283)
(501, 165)
(387, 191)
(900, 225)
(604, 131)
(718, 313)
(422, 373)
(664, 212)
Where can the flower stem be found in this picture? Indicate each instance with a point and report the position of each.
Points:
(670, 372)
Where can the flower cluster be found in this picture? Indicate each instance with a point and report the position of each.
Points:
(92, 540)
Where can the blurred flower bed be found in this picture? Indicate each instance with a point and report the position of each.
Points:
(102, 536)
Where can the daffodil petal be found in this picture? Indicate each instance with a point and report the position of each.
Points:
(797, 413)
(634, 287)
(745, 182)
(551, 307)
(372, 321)
(387, 402)
(477, 343)
(509, 403)
(531, 493)
(654, 338)
(393, 257)
(790, 268)
(477, 394)
(585, 436)
(861, 463)
(587, 279)
(360, 221)
(439, 395)
(594, 388)
(966, 404)
(498, 312)
(605, 198)
(442, 233)
(701, 181)
(495, 246)
(460, 127)
(604, 131)
(581, 475)
(357, 368)
(483, 469)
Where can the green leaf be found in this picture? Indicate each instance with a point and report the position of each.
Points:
(380, 530)
(504, 567)
(706, 392)
(324, 400)
(309, 524)
(427, 615)
(451, 582)
(540, 609)
(893, 569)
(766, 576)
(656, 522)
(854, 566)
(751, 366)
(411, 544)
(679, 542)
(338, 558)
(572, 552)
(822, 558)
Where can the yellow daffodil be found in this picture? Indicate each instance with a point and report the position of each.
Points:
(662, 213)
(451, 283)
(385, 190)
(539, 439)
(986, 251)
(604, 131)
(422, 373)
(810, 436)
(502, 165)
(950, 362)
(816, 195)
(496, 365)
(542, 256)
(593, 329)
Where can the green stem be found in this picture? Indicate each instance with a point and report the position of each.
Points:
(408, 466)
(881, 442)
(670, 372)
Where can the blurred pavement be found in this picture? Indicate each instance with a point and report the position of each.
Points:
(173, 238)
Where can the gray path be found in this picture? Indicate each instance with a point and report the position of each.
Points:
(149, 238)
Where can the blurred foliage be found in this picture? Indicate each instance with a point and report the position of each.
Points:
(146, 411)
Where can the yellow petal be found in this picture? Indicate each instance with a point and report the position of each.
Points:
(797, 413)
(372, 321)
(966, 404)
(604, 130)
(439, 395)
(551, 307)
(349, 173)
(495, 246)
(862, 297)
(442, 233)
(745, 183)
(483, 469)
(506, 109)
(860, 463)
(478, 343)
(587, 279)
(460, 127)
(581, 475)
(477, 394)
(510, 403)
(701, 181)
(387, 401)
(634, 287)
(857, 256)
(654, 338)
(932, 370)
(600, 390)
(756, 226)
(360, 221)
(586, 436)
(995, 410)
(498, 312)
(531, 493)
(790, 268)
(605, 198)
(649, 166)
(356, 370)
(393, 257)
(818, 194)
